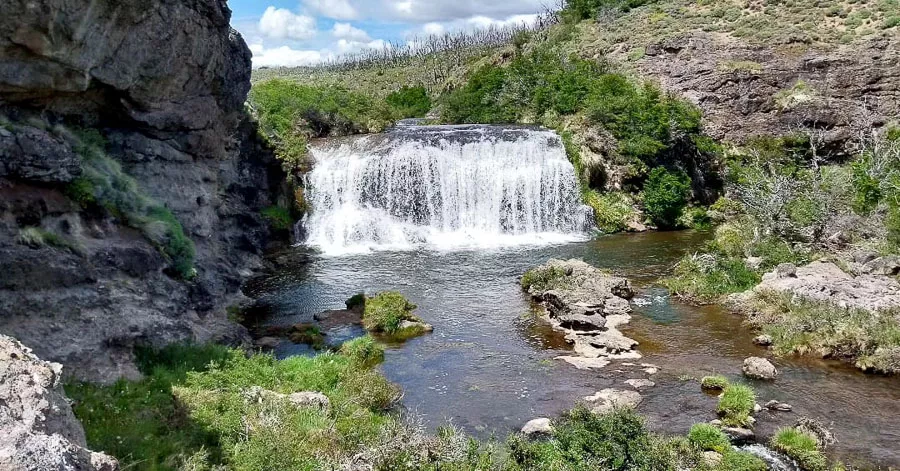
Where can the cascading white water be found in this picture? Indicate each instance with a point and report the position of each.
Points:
(444, 187)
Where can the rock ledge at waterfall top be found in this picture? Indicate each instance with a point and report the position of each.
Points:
(38, 430)
(588, 305)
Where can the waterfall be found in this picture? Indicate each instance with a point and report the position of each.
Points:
(443, 187)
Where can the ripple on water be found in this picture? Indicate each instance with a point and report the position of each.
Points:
(489, 365)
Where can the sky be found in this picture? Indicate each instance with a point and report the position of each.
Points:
(306, 32)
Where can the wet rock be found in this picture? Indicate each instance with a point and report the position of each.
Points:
(584, 363)
(739, 435)
(537, 427)
(763, 340)
(267, 343)
(711, 458)
(609, 399)
(38, 430)
(640, 383)
(759, 368)
(778, 406)
(816, 428)
(408, 325)
(757, 408)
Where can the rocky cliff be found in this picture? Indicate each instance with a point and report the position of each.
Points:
(38, 430)
(131, 178)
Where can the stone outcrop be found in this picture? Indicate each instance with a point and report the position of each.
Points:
(759, 368)
(163, 82)
(826, 282)
(748, 90)
(38, 431)
(588, 305)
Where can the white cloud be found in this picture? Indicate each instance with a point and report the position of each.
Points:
(336, 9)
(448, 10)
(284, 56)
(349, 32)
(344, 46)
(284, 24)
(434, 29)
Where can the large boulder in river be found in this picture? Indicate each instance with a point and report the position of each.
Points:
(759, 368)
(38, 431)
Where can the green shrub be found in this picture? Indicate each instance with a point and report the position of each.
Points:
(386, 311)
(81, 191)
(665, 196)
(706, 278)
(174, 243)
(542, 278)
(741, 461)
(480, 100)
(364, 350)
(709, 437)
(279, 218)
(410, 102)
(36, 237)
(612, 211)
(802, 447)
(695, 218)
(586, 441)
(714, 382)
(357, 301)
(585, 9)
(736, 404)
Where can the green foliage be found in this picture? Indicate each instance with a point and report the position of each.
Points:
(806, 326)
(802, 447)
(542, 278)
(736, 404)
(665, 196)
(706, 278)
(709, 437)
(586, 9)
(191, 411)
(695, 218)
(612, 211)
(363, 350)
(36, 237)
(479, 100)
(105, 184)
(279, 218)
(716, 382)
(357, 301)
(290, 113)
(741, 461)
(586, 441)
(386, 311)
(410, 102)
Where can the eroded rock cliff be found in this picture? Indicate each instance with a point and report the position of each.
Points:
(122, 126)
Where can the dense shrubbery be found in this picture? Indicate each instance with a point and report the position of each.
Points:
(665, 196)
(105, 185)
(410, 102)
(802, 447)
(385, 313)
(290, 113)
(542, 278)
(585, 9)
(709, 437)
(586, 441)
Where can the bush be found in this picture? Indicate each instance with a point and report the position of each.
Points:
(709, 437)
(665, 196)
(585, 441)
(585, 9)
(279, 218)
(706, 278)
(35, 237)
(736, 404)
(741, 461)
(800, 446)
(364, 350)
(479, 100)
(357, 301)
(410, 102)
(695, 218)
(386, 311)
(542, 278)
(612, 211)
(716, 382)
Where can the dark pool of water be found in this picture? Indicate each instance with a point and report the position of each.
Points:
(489, 365)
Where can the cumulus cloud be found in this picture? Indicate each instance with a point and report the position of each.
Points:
(284, 56)
(469, 24)
(349, 32)
(348, 47)
(336, 9)
(284, 24)
(423, 11)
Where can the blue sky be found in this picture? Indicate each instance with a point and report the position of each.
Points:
(304, 32)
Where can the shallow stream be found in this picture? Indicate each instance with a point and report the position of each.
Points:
(489, 366)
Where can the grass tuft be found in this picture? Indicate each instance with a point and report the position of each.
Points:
(736, 405)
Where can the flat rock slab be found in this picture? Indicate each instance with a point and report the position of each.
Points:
(608, 400)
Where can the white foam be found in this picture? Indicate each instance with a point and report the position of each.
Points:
(459, 190)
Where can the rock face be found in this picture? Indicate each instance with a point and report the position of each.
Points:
(759, 368)
(749, 90)
(38, 430)
(588, 305)
(826, 282)
(163, 82)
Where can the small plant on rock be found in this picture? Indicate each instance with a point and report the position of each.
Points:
(802, 447)
(709, 437)
(386, 312)
(736, 404)
(716, 382)
(542, 278)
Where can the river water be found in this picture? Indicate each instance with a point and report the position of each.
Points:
(489, 366)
